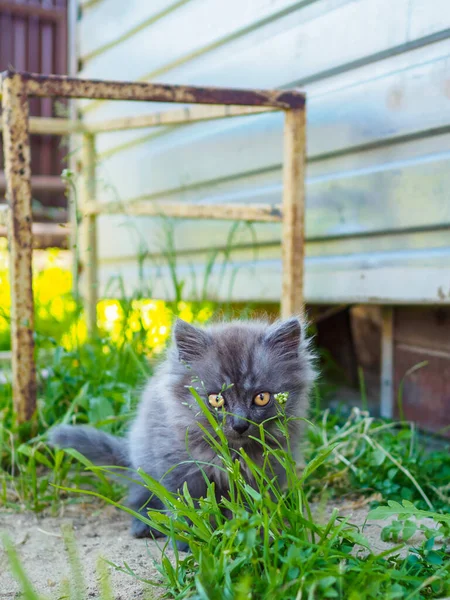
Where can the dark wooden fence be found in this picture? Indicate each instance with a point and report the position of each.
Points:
(33, 37)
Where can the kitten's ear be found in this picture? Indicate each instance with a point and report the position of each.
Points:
(192, 343)
(284, 337)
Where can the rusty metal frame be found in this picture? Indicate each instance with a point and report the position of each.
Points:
(214, 103)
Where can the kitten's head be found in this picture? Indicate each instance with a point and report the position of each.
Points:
(239, 368)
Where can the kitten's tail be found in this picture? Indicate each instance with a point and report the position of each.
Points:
(99, 447)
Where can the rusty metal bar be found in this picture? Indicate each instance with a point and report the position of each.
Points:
(73, 7)
(293, 236)
(189, 114)
(39, 183)
(88, 233)
(52, 126)
(46, 235)
(54, 215)
(18, 193)
(228, 212)
(67, 87)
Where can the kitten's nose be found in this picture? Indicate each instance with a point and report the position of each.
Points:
(238, 424)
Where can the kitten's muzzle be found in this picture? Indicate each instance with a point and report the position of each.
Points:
(239, 423)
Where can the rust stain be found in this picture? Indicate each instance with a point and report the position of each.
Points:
(55, 85)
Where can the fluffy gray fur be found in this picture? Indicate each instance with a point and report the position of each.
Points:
(254, 357)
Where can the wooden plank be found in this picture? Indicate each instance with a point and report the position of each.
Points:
(228, 212)
(147, 17)
(88, 233)
(292, 236)
(387, 363)
(329, 280)
(379, 285)
(44, 86)
(419, 243)
(415, 327)
(426, 248)
(18, 174)
(189, 114)
(122, 25)
(380, 199)
(424, 377)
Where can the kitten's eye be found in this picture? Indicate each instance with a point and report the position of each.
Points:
(262, 399)
(216, 400)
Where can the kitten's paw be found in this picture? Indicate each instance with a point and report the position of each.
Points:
(181, 546)
(139, 529)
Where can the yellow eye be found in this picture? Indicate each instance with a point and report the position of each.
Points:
(216, 400)
(262, 399)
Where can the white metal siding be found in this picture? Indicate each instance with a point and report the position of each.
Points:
(377, 77)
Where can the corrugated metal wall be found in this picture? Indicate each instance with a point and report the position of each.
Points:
(33, 37)
(377, 74)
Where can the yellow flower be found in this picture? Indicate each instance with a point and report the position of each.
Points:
(204, 314)
(147, 322)
(185, 311)
(109, 315)
(76, 335)
(50, 283)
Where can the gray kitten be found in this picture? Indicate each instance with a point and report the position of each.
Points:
(250, 361)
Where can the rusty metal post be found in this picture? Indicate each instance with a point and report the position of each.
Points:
(88, 233)
(74, 142)
(292, 238)
(18, 194)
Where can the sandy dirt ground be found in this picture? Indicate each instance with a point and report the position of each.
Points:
(104, 532)
(39, 543)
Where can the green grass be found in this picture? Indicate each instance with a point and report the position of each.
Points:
(379, 457)
(273, 547)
